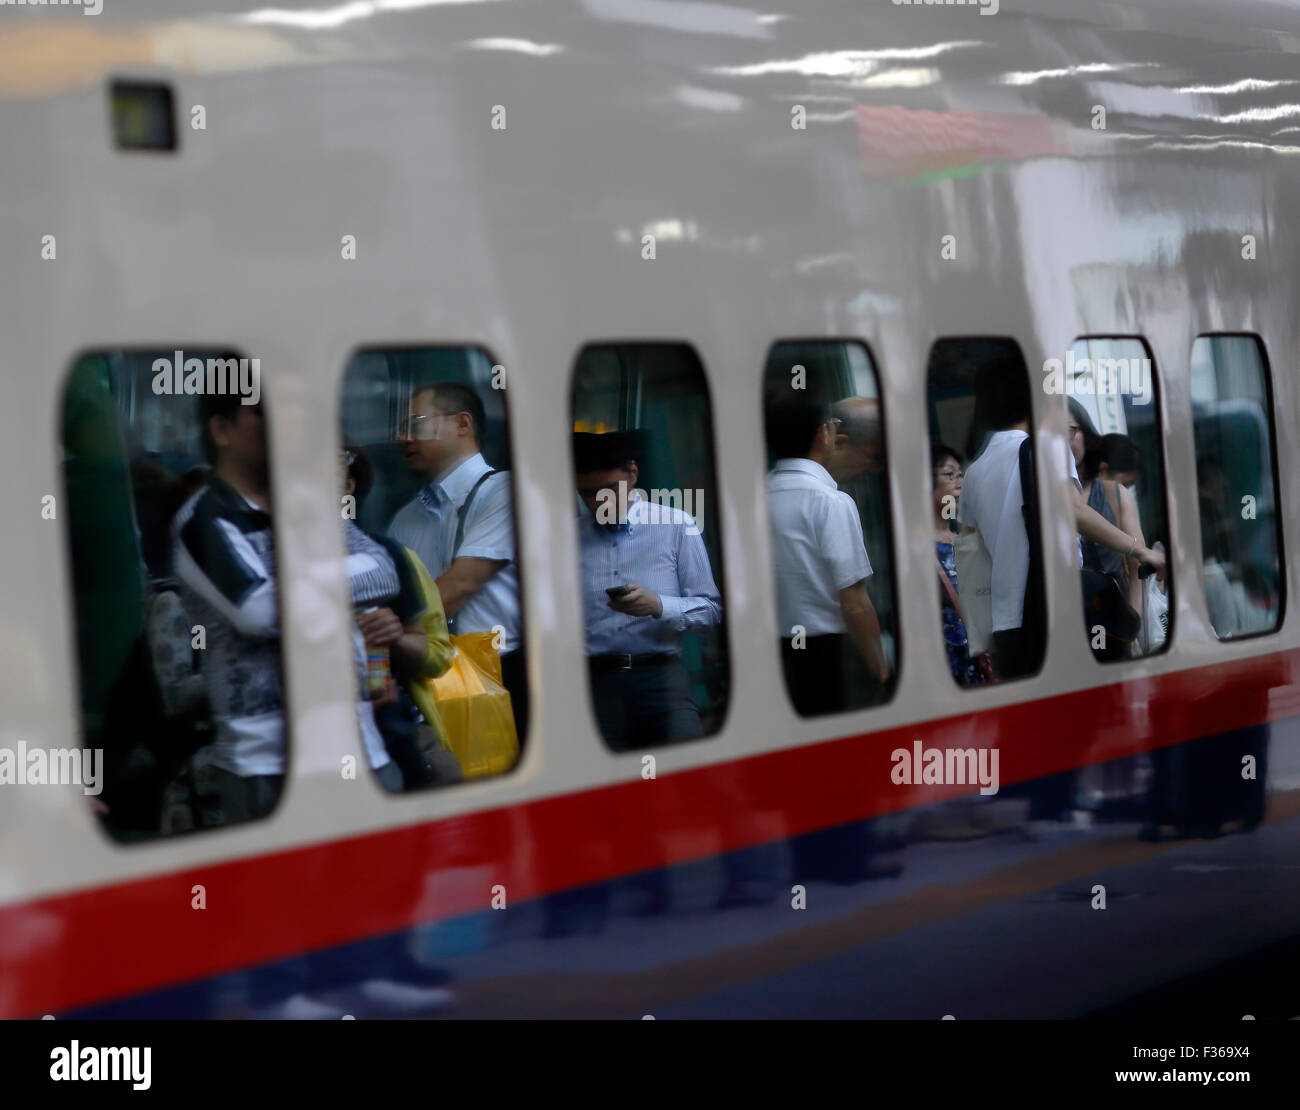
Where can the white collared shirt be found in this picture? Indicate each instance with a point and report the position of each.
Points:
(817, 546)
(992, 500)
(427, 525)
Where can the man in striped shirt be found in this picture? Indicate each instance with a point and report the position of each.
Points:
(646, 581)
(225, 560)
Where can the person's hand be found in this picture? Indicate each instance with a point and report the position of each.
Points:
(637, 602)
(380, 626)
(388, 697)
(1155, 559)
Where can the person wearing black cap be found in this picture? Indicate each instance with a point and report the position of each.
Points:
(646, 581)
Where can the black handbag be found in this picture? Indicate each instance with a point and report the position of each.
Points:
(1104, 604)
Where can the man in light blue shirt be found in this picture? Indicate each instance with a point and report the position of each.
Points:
(461, 525)
(646, 581)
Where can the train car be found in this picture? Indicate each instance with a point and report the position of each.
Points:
(634, 215)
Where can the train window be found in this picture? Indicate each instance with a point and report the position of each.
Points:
(651, 558)
(433, 572)
(828, 512)
(988, 561)
(174, 584)
(144, 115)
(1113, 423)
(1232, 414)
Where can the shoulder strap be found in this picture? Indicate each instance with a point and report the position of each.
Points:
(1028, 481)
(1110, 488)
(463, 512)
(947, 586)
(1035, 607)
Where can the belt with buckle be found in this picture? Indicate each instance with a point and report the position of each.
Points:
(627, 662)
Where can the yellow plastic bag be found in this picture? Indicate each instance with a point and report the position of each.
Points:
(475, 708)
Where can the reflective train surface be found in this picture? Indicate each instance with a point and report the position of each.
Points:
(643, 217)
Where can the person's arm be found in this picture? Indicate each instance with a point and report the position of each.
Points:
(841, 542)
(864, 628)
(486, 547)
(1128, 521)
(410, 651)
(1093, 526)
(406, 643)
(216, 561)
(371, 577)
(700, 603)
(439, 651)
(463, 579)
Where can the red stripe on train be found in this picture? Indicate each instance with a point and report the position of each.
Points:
(71, 950)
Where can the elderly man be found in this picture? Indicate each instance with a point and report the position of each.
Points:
(859, 446)
(833, 657)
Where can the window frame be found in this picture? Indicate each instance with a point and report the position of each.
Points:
(1270, 397)
(630, 405)
(1162, 445)
(890, 543)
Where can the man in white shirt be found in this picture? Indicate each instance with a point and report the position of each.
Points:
(992, 501)
(461, 525)
(830, 635)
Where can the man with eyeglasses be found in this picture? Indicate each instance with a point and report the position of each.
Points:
(461, 524)
(831, 644)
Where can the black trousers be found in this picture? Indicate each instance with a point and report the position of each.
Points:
(646, 705)
(1015, 653)
(827, 675)
(514, 675)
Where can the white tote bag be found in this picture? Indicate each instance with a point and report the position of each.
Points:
(1155, 617)
(975, 589)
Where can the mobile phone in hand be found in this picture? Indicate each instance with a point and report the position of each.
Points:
(618, 591)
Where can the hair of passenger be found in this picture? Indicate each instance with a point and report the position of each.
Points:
(361, 470)
(452, 397)
(1121, 453)
(859, 418)
(940, 453)
(791, 419)
(594, 452)
(1001, 392)
(185, 486)
(217, 404)
(1092, 445)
